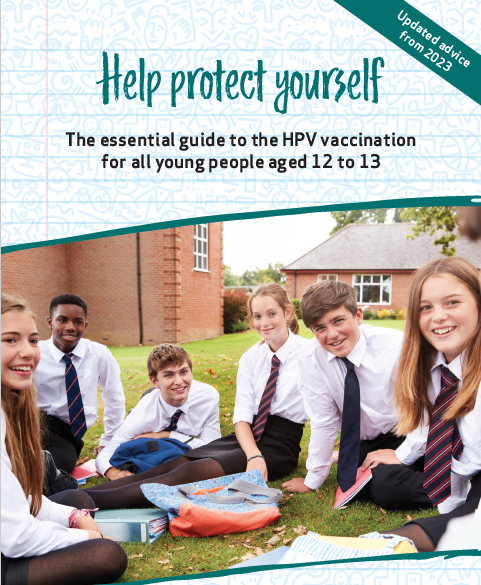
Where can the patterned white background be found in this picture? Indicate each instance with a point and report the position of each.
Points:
(80, 197)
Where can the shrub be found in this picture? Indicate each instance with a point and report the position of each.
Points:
(369, 315)
(383, 314)
(402, 314)
(234, 327)
(235, 309)
(297, 303)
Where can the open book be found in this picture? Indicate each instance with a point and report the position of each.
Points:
(362, 478)
(134, 525)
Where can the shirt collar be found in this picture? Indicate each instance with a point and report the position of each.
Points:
(283, 352)
(57, 355)
(455, 366)
(170, 410)
(357, 354)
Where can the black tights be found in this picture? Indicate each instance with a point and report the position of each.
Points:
(126, 492)
(85, 563)
(416, 534)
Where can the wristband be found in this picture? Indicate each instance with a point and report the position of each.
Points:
(254, 456)
(76, 515)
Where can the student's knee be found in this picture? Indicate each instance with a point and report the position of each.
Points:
(74, 498)
(116, 560)
(381, 488)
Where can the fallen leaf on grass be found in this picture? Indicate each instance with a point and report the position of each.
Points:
(383, 511)
(139, 556)
(192, 568)
(258, 551)
(300, 529)
(408, 518)
(162, 562)
(247, 557)
(247, 539)
(179, 548)
(168, 568)
(319, 497)
(231, 545)
(247, 545)
(230, 561)
(224, 535)
(280, 529)
(342, 508)
(287, 540)
(269, 545)
(274, 540)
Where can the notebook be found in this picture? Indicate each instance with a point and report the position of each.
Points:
(82, 472)
(135, 525)
(362, 478)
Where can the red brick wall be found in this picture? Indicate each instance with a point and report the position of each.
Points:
(400, 285)
(202, 305)
(178, 303)
(37, 276)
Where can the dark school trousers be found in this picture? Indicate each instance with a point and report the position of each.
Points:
(394, 486)
(399, 486)
(436, 526)
(57, 438)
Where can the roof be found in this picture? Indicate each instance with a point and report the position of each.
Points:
(380, 246)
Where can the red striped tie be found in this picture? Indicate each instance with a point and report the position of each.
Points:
(265, 405)
(444, 442)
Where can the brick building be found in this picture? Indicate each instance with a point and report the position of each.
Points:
(173, 278)
(376, 259)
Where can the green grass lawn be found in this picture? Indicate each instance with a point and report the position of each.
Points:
(215, 362)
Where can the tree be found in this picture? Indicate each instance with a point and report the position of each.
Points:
(434, 220)
(344, 218)
(272, 273)
(230, 279)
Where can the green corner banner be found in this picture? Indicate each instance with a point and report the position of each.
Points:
(423, 39)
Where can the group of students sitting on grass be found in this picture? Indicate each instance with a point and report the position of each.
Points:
(407, 407)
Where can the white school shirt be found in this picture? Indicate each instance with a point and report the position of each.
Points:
(95, 366)
(152, 414)
(322, 377)
(252, 376)
(469, 427)
(22, 534)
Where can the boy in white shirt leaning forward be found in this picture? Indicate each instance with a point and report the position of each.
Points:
(181, 408)
(347, 380)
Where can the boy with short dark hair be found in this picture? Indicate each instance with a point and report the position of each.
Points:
(347, 380)
(182, 408)
(70, 370)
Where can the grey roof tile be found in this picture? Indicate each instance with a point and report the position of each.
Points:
(361, 246)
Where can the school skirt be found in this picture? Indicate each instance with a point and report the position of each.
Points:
(280, 446)
(435, 526)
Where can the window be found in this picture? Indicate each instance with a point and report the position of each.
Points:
(321, 277)
(201, 247)
(372, 289)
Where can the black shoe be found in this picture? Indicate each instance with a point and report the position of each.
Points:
(55, 480)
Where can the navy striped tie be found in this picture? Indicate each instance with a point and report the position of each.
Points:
(78, 424)
(174, 420)
(444, 442)
(265, 405)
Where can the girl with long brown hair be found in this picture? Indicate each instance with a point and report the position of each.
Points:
(269, 413)
(438, 400)
(44, 540)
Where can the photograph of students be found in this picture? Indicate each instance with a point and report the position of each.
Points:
(67, 378)
(179, 408)
(45, 541)
(269, 414)
(438, 400)
(347, 381)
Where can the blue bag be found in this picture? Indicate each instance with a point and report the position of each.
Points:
(142, 454)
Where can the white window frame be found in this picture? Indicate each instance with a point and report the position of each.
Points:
(382, 284)
(322, 277)
(201, 247)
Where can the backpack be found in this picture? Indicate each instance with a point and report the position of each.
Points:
(142, 454)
